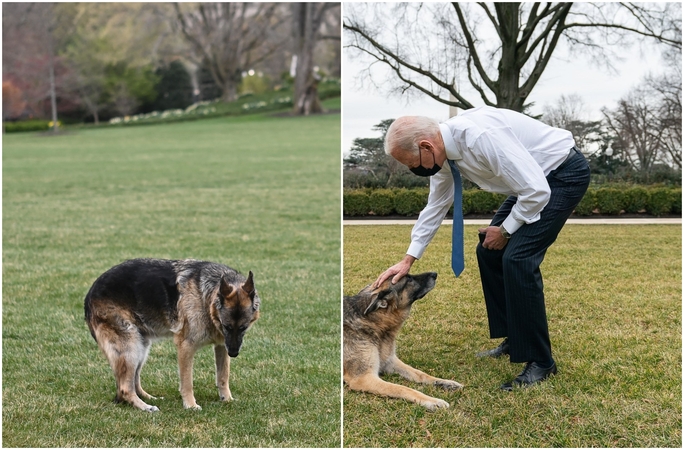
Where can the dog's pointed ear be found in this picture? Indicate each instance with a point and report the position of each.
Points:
(378, 301)
(248, 287)
(226, 289)
(256, 302)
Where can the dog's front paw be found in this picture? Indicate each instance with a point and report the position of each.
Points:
(151, 408)
(195, 406)
(434, 403)
(226, 397)
(448, 384)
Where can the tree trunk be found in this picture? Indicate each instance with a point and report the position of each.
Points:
(306, 87)
(307, 19)
(508, 94)
(231, 82)
(53, 91)
(229, 92)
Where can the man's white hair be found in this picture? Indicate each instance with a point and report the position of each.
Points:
(405, 133)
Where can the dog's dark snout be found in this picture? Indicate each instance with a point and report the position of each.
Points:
(425, 283)
(427, 277)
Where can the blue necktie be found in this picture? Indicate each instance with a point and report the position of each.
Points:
(457, 263)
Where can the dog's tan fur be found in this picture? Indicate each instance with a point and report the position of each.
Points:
(372, 320)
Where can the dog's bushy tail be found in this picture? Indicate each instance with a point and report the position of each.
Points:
(89, 313)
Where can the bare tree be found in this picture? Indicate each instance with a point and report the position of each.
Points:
(569, 113)
(635, 124)
(230, 37)
(307, 21)
(667, 89)
(501, 49)
(570, 108)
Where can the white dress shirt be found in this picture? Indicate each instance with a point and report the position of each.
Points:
(501, 151)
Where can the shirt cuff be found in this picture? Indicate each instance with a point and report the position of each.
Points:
(416, 250)
(511, 225)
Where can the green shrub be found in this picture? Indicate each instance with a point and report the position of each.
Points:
(610, 201)
(636, 199)
(677, 201)
(499, 199)
(467, 202)
(356, 202)
(659, 202)
(27, 125)
(410, 202)
(382, 202)
(483, 202)
(587, 205)
(329, 88)
(254, 84)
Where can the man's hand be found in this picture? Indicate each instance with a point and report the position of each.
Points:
(398, 271)
(494, 239)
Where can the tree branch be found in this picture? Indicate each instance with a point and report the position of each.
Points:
(472, 50)
(659, 37)
(384, 50)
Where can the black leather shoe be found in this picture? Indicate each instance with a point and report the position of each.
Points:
(531, 375)
(498, 352)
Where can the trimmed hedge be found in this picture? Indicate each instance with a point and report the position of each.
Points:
(381, 202)
(483, 202)
(587, 205)
(355, 202)
(611, 200)
(27, 125)
(636, 199)
(660, 201)
(408, 201)
(677, 201)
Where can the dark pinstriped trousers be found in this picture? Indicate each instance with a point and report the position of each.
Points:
(511, 279)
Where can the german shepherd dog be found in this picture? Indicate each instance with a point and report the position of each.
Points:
(372, 320)
(196, 302)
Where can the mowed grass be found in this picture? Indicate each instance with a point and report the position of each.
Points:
(613, 296)
(255, 193)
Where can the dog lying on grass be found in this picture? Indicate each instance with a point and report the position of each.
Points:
(372, 320)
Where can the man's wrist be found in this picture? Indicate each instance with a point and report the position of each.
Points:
(504, 233)
(409, 259)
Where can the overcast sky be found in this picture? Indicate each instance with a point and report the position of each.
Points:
(362, 108)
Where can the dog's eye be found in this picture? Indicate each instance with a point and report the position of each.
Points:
(228, 328)
(243, 328)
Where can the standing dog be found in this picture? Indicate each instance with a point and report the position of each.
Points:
(196, 302)
(372, 320)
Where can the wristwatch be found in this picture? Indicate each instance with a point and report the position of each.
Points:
(505, 233)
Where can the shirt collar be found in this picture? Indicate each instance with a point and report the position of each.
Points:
(449, 143)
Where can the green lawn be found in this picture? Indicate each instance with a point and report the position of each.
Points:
(613, 297)
(255, 193)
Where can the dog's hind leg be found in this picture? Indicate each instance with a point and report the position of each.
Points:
(222, 372)
(138, 387)
(375, 385)
(128, 365)
(395, 365)
(124, 351)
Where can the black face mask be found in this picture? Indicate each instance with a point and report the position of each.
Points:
(424, 172)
